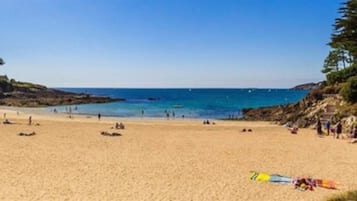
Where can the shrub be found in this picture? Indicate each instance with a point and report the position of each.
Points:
(333, 89)
(342, 75)
(316, 94)
(349, 196)
(349, 90)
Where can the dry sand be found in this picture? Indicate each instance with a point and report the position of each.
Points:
(164, 160)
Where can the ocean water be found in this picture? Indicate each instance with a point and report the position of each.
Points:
(190, 103)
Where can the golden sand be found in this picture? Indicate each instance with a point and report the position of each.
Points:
(184, 160)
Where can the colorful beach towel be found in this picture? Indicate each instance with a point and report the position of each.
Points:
(276, 178)
(324, 183)
(259, 176)
(301, 183)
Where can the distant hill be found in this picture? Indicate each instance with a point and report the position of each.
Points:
(25, 94)
(307, 86)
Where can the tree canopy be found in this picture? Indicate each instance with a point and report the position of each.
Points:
(343, 53)
(340, 65)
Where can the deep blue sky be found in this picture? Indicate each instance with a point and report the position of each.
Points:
(166, 43)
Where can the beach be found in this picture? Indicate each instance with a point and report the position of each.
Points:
(159, 159)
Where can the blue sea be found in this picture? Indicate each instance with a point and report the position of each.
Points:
(190, 103)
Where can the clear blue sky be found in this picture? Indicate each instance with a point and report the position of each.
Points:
(166, 43)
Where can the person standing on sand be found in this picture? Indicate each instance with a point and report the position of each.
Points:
(30, 120)
(328, 127)
(338, 130)
(99, 116)
(167, 115)
(318, 127)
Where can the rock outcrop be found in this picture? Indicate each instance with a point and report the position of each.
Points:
(303, 114)
(23, 94)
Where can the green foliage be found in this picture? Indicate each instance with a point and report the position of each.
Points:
(349, 90)
(346, 110)
(335, 58)
(345, 30)
(342, 75)
(343, 45)
(331, 62)
(332, 89)
(348, 196)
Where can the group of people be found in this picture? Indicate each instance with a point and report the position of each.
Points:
(336, 131)
(7, 121)
(207, 122)
(167, 114)
(119, 125)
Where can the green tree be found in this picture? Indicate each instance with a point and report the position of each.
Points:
(343, 39)
(331, 62)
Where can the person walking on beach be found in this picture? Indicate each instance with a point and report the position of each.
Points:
(338, 130)
(318, 127)
(328, 127)
(99, 116)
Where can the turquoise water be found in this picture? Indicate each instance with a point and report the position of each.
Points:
(191, 103)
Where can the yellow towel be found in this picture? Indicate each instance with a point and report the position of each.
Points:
(259, 176)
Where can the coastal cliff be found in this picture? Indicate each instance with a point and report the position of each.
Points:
(322, 102)
(24, 94)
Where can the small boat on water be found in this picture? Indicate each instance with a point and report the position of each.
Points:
(177, 106)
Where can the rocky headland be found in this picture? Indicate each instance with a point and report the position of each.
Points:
(322, 102)
(24, 94)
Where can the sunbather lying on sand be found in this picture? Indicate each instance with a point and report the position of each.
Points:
(26, 134)
(293, 130)
(6, 121)
(105, 133)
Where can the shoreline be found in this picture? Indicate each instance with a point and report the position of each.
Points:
(41, 112)
(46, 111)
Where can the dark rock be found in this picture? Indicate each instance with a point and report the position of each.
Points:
(33, 95)
(282, 114)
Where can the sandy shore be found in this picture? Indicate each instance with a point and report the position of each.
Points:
(164, 160)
